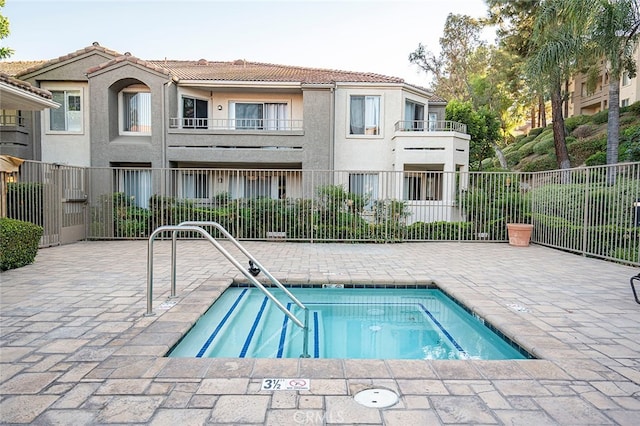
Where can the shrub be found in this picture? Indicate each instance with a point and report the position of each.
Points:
(581, 150)
(440, 231)
(18, 243)
(544, 162)
(597, 159)
(635, 108)
(513, 158)
(584, 131)
(527, 148)
(544, 145)
(535, 132)
(571, 123)
(600, 117)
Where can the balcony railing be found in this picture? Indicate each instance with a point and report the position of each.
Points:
(253, 124)
(430, 126)
(11, 120)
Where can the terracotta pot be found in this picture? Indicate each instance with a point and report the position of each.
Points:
(519, 234)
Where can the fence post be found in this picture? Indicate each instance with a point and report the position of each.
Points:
(585, 217)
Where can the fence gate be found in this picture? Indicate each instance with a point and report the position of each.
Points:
(52, 196)
(73, 200)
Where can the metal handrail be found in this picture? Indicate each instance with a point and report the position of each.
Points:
(430, 126)
(196, 227)
(259, 124)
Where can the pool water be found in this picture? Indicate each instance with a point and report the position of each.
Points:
(374, 323)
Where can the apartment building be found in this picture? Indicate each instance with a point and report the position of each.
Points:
(119, 111)
(586, 101)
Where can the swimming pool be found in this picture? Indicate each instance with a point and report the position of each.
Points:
(373, 323)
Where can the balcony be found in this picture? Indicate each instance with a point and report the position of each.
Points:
(430, 126)
(238, 124)
(12, 120)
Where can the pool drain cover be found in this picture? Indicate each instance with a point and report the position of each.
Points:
(376, 398)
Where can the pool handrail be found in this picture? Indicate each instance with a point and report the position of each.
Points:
(193, 228)
(246, 253)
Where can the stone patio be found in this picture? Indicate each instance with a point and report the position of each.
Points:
(75, 347)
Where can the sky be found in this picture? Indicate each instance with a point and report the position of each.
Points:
(351, 35)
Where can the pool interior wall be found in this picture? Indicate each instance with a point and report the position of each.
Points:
(382, 340)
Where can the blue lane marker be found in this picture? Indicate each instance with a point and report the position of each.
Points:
(219, 327)
(283, 333)
(444, 330)
(247, 342)
(316, 337)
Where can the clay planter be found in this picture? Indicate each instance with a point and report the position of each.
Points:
(519, 234)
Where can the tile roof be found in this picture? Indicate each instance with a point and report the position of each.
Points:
(93, 48)
(241, 70)
(5, 78)
(132, 59)
(13, 68)
(238, 70)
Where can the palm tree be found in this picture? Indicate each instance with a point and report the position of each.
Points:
(615, 32)
(556, 44)
(610, 31)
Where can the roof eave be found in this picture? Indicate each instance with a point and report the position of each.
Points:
(241, 84)
(12, 97)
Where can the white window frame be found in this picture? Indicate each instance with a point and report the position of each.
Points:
(281, 123)
(64, 107)
(133, 89)
(411, 123)
(625, 79)
(378, 133)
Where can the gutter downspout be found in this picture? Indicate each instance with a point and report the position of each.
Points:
(332, 126)
(164, 130)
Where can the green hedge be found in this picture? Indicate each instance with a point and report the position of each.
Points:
(18, 243)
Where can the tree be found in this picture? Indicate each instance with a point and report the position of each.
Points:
(458, 57)
(514, 20)
(482, 125)
(557, 44)
(5, 52)
(616, 29)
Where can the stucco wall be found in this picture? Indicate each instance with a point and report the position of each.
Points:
(65, 147)
(108, 145)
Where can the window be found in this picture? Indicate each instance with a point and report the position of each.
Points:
(257, 185)
(195, 185)
(433, 121)
(11, 117)
(68, 117)
(135, 184)
(364, 115)
(625, 102)
(136, 112)
(364, 185)
(413, 116)
(421, 186)
(195, 113)
(259, 116)
(625, 79)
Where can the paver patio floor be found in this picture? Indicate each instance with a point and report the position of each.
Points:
(75, 347)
